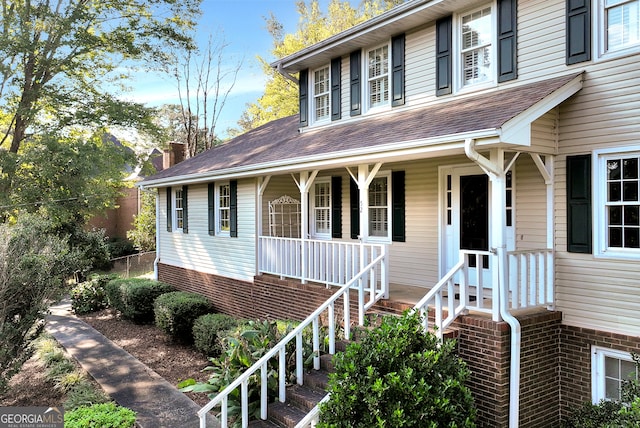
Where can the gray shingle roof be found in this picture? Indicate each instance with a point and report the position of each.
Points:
(280, 142)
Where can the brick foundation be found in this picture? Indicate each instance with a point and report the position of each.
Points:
(555, 359)
(575, 362)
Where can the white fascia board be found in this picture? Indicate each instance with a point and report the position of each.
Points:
(388, 153)
(517, 131)
(352, 34)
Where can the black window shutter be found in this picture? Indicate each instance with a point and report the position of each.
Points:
(211, 199)
(355, 71)
(336, 207)
(579, 228)
(397, 207)
(233, 209)
(444, 76)
(185, 209)
(303, 88)
(397, 70)
(507, 40)
(354, 208)
(169, 210)
(578, 32)
(336, 96)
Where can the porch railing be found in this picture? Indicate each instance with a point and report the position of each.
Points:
(326, 262)
(279, 350)
(530, 274)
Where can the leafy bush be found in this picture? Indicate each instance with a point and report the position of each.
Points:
(104, 415)
(176, 312)
(84, 394)
(399, 375)
(611, 414)
(90, 296)
(119, 247)
(240, 350)
(64, 382)
(144, 233)
(207, 332)
(134, 297)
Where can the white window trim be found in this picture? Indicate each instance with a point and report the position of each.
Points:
(600, 36)
(366, 101)
(175, 209)
(218, 217)
(312, 211)
(457, 65)
(380, 239)
(599, 197)
(598, 354)
(312, 91)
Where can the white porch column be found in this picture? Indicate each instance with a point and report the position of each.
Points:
(498, 227)
(261, 187)
(304, 185)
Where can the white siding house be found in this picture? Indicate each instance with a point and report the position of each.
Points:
(492, 147)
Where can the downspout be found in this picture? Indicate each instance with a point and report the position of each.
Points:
(157, 259)
(496, 173)
(286, 75)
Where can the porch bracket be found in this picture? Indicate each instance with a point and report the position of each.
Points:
(546, 175)
(370, 174)
(262, 184)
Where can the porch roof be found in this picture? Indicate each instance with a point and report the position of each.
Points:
(503, 115)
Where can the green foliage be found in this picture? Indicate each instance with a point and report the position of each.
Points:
(84, 394)
(119, 247)
(280, 98)
(34, 267)
(611, 413)
(209, 330)
(90, 296)
(399, 376)
(143, 234)
(104, 415)
(176, 312)
(241, 349)
(134, 297)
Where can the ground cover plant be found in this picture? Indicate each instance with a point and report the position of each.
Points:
(399, 375)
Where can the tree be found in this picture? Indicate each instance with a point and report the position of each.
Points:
(280, 97)
(143, 234)
(61, 59)
(204, 83)
(34, 265)
(65, 179)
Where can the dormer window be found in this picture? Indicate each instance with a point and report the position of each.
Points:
(321, 94)
(378, 76)
(476, 47)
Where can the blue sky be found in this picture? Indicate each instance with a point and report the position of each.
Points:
(244, 27)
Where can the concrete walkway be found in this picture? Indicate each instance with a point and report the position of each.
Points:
(130, 383)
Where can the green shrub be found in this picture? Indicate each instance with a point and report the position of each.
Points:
(104, 415)
(399, 375)
(84, 394)
(90, 296)
(176, 312)
(134, 297)
(120, 247)
(207, 332)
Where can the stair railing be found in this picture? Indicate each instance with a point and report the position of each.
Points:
(279, 350)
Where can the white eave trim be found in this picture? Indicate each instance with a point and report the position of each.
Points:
(391, 152)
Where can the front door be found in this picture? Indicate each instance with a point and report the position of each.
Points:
(466, 219)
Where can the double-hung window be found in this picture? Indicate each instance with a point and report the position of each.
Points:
(223, 199)
(379, 206)
(321, 94)
(610, 369)
(321, 210)
(378, 76)
(476, 32)
(621, 24)
(617, 208)
(178, 213)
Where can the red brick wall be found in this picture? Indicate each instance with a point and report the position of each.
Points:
(575, 362)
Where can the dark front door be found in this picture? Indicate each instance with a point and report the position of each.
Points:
(474, 215)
